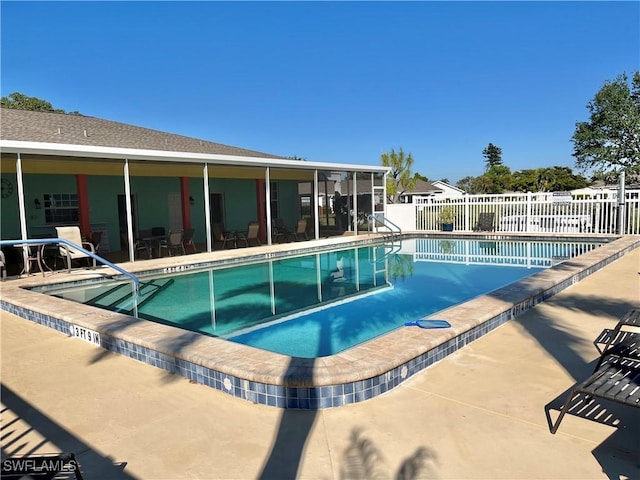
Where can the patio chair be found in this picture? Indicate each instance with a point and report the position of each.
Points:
(220, 235)
(96, 238)
(187, 239)
(143, 246)
(485, 222)
(301, 230)
(173, 243)
(3, 266)
(251, 236)
(70, 254)
(279, 231)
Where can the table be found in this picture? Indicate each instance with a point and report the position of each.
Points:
(34, 255)
(152, 242)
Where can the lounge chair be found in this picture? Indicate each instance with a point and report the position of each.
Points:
(485, 222)
(616, 376)
(72, 234)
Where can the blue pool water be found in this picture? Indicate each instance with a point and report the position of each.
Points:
(321, 304)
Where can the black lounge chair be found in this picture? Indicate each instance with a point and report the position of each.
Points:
(485, 222)
(616, 376)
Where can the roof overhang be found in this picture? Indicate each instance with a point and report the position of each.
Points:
(138, 155)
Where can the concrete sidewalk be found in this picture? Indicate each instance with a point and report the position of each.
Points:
(478, 414)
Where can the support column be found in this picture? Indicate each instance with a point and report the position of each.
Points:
(207, 205)
(129, 206)
(83, 205)
(185, 203)
(267, 200)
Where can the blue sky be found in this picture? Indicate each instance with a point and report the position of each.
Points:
(332, 81)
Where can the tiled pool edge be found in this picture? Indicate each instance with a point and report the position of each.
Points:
(297, 391)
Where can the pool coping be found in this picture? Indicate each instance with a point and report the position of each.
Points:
(351, 376)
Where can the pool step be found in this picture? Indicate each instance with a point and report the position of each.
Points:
(121, 299)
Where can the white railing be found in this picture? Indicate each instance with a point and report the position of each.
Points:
(560, 212)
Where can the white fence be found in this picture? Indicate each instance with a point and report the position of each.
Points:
(558, 212)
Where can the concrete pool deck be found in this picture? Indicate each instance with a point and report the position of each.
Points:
(478, 413)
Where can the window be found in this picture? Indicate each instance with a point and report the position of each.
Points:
(61, 208)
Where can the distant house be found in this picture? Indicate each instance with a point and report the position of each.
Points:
(430, 189)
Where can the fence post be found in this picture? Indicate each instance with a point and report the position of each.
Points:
(528, 218)
(466, 213)
(621, 205)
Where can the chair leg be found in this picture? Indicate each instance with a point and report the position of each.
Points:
(563, 411)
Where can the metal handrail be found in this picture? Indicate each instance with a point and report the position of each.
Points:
(378, 217)
(50, 241)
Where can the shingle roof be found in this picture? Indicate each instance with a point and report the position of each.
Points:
(423, 187)
(49, 127)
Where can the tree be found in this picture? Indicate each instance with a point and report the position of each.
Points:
(493, 156)
(22, 102)
(419, 176)
(400, 179)
(496, 180)
(466, 184)
(609, 142)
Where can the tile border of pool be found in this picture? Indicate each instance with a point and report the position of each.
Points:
(357, 374)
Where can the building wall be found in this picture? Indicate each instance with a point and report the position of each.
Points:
(151, 203)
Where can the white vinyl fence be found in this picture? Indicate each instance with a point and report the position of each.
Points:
(557, 212)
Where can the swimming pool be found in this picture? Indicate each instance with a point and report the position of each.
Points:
(322, 304)
(356, 374)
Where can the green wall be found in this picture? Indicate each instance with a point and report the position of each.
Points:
(152, 198)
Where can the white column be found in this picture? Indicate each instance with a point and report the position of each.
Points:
(267, 205)
(22, 213)
(207, 205)
(316, 226)
(355, 204)
(21, 205)
(127, 197)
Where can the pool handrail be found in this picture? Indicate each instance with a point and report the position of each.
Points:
(378, 217)
(51, 241)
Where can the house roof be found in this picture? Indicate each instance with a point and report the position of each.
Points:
(50, 127)
(70, 135)
(422, 187)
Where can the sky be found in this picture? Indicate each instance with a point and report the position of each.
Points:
(337, 82)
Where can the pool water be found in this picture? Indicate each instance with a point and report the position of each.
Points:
(321, 304)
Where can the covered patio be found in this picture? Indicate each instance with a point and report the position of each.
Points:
(115, 180)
